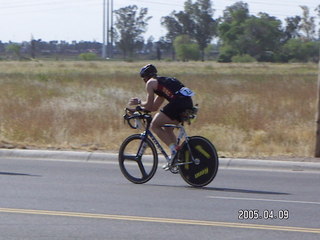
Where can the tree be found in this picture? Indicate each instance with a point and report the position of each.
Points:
(238, 12)
(130, 25)
(148, 48)
(186, 49)
(163, 46)
(204, 27)
(259, 36)
(318, 13)
(33, 46)
(300, 51)
(2, 48)
(174, 27)
(14, 48)
(292, 27)
(307, 25)
(230, 28)
(196, 21)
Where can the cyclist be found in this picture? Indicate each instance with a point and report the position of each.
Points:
(158, 90)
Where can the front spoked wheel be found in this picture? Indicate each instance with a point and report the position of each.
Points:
(203, 169)
(138, 159)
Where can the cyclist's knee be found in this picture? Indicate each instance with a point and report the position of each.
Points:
(155, 126)
(156, 122)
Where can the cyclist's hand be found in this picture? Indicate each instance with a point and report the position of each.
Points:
(134, 101)
(131, 110)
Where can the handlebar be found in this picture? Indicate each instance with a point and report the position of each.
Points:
(139, 115)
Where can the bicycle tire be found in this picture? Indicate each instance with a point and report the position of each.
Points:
(138, 169)
(202, 172)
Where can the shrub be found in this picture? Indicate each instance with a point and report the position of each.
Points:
(226, 53)
(88, 56)
(243, 58)
(186, 49)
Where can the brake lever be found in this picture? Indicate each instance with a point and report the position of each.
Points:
(140, 109)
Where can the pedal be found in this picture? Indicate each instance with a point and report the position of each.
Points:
(174, 169)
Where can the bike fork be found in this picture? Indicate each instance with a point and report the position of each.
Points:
(143, 146)
(193, 160)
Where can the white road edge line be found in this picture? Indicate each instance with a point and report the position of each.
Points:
(265, 200)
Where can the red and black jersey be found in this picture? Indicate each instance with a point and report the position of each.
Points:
(168, 87)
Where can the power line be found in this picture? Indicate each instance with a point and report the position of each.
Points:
(59, 4)
(161, 3)
(45, 7)
(15, 8)
(54, 5)
(282, 3)
(32, 3)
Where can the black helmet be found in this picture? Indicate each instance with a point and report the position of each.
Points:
(148, 71)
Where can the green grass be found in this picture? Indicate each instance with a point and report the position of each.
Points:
(253, 109)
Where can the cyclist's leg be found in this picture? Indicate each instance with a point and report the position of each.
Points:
(165, 134)
(170, 114)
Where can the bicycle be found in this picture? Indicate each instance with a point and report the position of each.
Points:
(196, 159)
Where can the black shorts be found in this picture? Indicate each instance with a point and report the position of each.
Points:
(177, 106)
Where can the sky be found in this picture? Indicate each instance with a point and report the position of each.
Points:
(82, 20)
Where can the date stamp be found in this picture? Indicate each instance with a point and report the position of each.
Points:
(255, 214)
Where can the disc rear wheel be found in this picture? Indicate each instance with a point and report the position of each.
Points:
(203, 170)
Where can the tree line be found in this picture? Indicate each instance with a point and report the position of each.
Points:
(194, 34)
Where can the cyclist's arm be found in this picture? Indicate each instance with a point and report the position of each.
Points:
(152, 102)
(158, 102)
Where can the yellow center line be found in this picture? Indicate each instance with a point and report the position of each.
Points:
(161, 220)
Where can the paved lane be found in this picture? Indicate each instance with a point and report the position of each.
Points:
(79, 200)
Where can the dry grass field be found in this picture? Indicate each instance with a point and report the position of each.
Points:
(254, 110)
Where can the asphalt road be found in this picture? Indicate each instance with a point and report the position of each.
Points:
(92, 200)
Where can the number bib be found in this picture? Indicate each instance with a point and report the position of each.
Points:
(186, 92)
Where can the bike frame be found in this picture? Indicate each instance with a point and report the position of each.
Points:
(181, 135)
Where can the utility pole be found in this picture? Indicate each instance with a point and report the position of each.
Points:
(108, 28)
(104, 30)
(111, 31)
(317, 152)
(107, 46)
